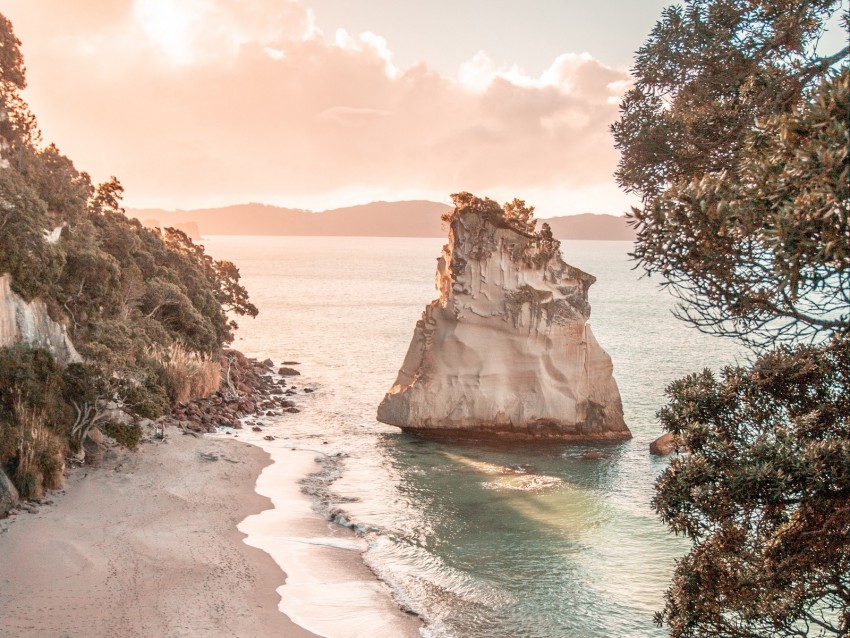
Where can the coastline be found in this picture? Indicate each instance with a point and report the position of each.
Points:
(329, 587)
(146, 544)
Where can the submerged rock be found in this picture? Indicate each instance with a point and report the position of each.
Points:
(506, 349)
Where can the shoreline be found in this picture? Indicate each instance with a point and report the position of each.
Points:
(146, 544)
(195, 534)
(329, 589)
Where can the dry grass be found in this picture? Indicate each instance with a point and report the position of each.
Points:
(40, 461)
(188, 375)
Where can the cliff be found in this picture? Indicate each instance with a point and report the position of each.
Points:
(506, 348)
(28, 322)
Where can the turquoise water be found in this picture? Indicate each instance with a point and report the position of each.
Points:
(534, 541)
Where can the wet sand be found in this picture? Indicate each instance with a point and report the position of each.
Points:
(329, 588)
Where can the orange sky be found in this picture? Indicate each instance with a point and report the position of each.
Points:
(210, 102)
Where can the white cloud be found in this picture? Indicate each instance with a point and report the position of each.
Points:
(252, 103)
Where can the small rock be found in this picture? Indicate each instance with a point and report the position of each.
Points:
(663, 445)
(308, 390)
(288, 372)
(268, 363)
(593, 455)
(94, 446)
(293, 410)
(257, 428)
(291, 363)
(268, 437)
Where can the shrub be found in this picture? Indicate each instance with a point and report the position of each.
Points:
(187, 374)
(126, 434)
(39, 461)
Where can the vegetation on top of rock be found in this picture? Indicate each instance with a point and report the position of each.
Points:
(514, 215)
(737, 137)
(130, 297)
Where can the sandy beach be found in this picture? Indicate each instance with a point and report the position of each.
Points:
(145, 545)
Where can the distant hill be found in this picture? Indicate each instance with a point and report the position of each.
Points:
(416, 218)
(591, 226)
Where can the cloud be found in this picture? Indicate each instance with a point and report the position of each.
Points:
(200, 102)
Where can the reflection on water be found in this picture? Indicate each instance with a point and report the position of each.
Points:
(526, 541)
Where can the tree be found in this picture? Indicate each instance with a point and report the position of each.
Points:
(128, 295)
(765, 496)
(223, 276)
(736, 136)
(17, 124)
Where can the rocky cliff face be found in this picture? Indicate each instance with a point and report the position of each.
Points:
(28, 322)
(506, 348)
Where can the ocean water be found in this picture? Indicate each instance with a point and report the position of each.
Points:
(528, 542)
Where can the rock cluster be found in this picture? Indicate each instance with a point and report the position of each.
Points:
(249, 388)
(506, 349)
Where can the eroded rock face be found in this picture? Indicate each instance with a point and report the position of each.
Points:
(506, 348)
(28, 322)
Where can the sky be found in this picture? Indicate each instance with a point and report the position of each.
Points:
(325, 103)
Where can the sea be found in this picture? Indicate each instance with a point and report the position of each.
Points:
(525, 541)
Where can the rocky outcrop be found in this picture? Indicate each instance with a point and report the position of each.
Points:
(506, 349)
(28, 322)
(248, 389)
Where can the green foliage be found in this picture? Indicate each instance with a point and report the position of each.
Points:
(29, 375)
(24, 253)
(126, 294)
(736, 136)
(18, 124)
(765, 495)
(128, 435)
(514, 215)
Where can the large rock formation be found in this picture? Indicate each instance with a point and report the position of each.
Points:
(506, 348)
(28, 322)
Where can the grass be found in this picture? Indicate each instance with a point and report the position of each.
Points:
(40, 458)
(188, 375)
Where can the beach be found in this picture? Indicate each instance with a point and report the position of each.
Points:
(146, 544)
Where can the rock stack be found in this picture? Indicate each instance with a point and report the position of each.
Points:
(506, 349)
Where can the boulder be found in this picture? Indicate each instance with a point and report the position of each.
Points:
(288, 372)
(8, 494)
(506, 349)
(663, 445)
(95, 446)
